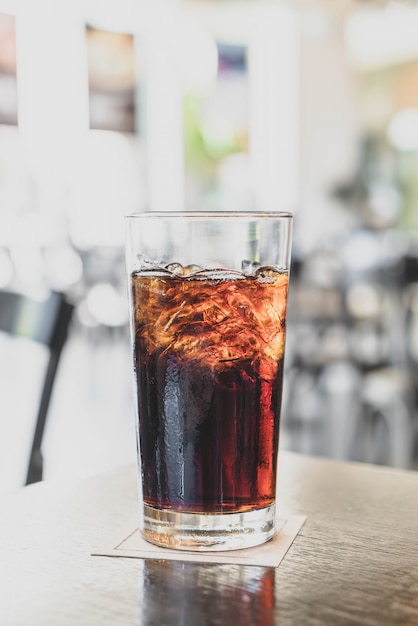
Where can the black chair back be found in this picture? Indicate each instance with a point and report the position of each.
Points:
(44, 321)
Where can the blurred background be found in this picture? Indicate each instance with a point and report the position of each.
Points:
(127, 105)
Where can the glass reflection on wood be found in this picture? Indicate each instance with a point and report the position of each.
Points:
(173, 592)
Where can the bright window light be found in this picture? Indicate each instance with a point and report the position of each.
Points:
(403, 130)
(198, 54)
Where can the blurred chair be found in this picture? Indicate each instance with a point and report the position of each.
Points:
(340, 382)
(46, 322)
(388, 404)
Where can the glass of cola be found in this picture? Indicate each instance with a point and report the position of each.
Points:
(208, 295)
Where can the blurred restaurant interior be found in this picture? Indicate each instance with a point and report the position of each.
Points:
(107, 108)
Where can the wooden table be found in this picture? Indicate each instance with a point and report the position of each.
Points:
(355, 560)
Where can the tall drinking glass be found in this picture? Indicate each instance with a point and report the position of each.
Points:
(208, 295)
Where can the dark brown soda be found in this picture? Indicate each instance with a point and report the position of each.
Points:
(209, 367)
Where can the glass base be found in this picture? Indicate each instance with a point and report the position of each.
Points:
(207, 532)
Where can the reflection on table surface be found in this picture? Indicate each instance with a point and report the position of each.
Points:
(181, 593)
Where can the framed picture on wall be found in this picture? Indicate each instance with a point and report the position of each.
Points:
(8, 80)
(112, 80)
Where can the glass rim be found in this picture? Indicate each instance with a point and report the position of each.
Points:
(207, 215)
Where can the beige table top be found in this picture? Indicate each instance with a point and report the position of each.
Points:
(355, 560)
